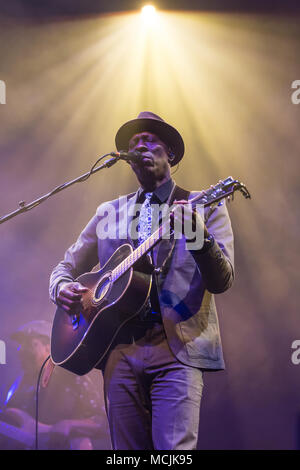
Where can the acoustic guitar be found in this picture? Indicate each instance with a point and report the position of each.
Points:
(116, 293)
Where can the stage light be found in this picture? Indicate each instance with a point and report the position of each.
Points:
(149, 14)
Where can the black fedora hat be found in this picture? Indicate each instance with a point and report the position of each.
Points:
(147, 121)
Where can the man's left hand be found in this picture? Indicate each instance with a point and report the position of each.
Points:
(188, 217)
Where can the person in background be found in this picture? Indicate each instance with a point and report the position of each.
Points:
(71, 414)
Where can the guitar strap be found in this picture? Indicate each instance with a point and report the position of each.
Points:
(176, 195)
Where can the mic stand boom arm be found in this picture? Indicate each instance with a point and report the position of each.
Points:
(23, 207)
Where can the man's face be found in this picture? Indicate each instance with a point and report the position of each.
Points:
(154, 164)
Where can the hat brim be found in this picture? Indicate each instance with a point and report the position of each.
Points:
(168, 134)
(20, 336)
(32, 329)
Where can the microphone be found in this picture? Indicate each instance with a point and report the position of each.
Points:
(134, 156)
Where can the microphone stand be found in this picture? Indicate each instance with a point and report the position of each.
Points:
(23, 207)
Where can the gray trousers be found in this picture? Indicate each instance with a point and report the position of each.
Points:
(152, 400)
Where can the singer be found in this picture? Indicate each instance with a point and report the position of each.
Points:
(153, 373)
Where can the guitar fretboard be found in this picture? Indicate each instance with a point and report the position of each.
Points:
(208, 197)
(163, 230)
(140, 251)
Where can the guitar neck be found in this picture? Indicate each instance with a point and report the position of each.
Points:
(140, 251)
(162, 231)
(206, 198)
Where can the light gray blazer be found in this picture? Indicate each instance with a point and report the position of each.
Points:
(186, 291)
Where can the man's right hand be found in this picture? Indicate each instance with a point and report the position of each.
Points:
(69, 297)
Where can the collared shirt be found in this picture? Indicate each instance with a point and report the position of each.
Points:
(160, 196)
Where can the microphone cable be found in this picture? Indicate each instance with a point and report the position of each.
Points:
(37, 403)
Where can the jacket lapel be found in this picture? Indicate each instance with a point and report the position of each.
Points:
(126, 219)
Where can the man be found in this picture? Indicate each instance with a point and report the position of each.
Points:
(69, 407)
(153, 372)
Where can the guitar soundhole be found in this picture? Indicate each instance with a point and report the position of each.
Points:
(102, 288)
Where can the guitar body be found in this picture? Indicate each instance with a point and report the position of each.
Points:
(80, 342)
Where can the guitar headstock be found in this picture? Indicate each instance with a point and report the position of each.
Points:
(223, 189)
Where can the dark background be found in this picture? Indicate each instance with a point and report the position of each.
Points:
(59, 7)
